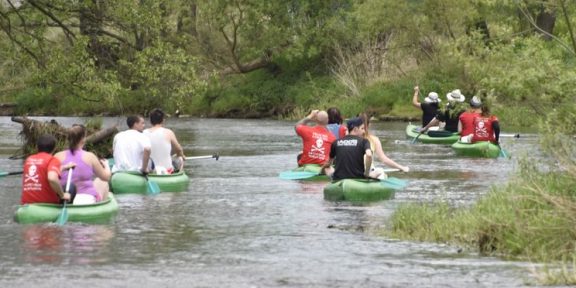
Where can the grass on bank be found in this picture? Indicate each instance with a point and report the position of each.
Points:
(532, 218)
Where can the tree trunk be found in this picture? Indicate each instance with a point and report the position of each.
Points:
(545, 20)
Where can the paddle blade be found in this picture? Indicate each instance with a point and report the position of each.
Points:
(153, 188)
(296, 175)
(63, 217)
(394, 183)
(503, 153)
(416, 138)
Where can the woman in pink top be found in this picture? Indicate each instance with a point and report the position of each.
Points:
(88, 188)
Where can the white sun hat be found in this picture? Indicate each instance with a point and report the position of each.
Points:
(455, 95)
(432, 98)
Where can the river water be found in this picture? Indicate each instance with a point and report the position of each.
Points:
(239, 225)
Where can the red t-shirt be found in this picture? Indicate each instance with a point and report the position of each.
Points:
(316, 141)
(467, 120)
(35, 186)
(483, 129)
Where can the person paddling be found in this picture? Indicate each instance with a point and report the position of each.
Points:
(91, 175)
(164, 145)
(132, 148)
(449, 114)
(429, 107)
(335, 123)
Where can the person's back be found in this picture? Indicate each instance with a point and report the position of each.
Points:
(486, 127)
(335, 123)
(348, 153)
(131, 147)
(83, 175)
(40, 170)
(163, 144)
(316, 140)
(466, 119)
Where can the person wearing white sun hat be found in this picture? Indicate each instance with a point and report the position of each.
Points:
(429, 107)
(449, 114)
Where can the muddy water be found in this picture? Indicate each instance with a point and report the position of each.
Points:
(238, 225)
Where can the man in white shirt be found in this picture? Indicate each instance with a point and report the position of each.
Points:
(132, 148)
(164, 145)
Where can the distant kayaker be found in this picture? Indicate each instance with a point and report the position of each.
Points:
(449, 114)
(164, 145)
(316, 140)
(429, 107)
(466, 120)
(486, 127)
(41, 177)
(131, 147)
(91, 175)
(376, 147)
(351, 155)
(335, 123)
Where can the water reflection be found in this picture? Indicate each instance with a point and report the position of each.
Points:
(77, 244)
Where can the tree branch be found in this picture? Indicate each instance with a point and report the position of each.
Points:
(69, 34)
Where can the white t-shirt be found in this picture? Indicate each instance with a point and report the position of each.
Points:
(129, 150)
(161, 147)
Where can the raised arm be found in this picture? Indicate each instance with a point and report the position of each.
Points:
(415, 101)
(310, 118)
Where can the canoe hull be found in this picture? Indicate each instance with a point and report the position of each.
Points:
(482, 149)
(101, 212)
(426, 139)
(128, 182)
(358, 190)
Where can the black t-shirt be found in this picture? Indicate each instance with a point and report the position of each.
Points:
(429, 110)
(348, 154)
(450, 115)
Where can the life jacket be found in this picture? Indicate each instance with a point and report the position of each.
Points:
(483, 129)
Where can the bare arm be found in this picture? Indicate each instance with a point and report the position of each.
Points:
(415, 101)
(101, 168)
(145, 159)
(367, 162)
(460, 127)
(176, 147)
(54, 181)
(433, 122)
(310, 118)
(383, 158)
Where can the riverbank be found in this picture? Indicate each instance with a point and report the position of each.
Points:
(531, 218)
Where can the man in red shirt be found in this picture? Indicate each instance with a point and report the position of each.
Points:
(40, 183)
(316, 139)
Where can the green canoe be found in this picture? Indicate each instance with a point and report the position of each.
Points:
(483, 149)
(100, 212)
(435, 137)
(134, 182)
(358, 190)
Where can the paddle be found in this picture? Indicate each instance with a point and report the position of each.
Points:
(215, 156)
(394, 183)
(152, 187)
(416, 138)
(510, 135)
(63, 217)
(300, 175)
(503, 153)
(2, 174)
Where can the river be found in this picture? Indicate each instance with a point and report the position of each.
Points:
(239, 225)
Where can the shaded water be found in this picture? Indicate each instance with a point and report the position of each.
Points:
(241, 226)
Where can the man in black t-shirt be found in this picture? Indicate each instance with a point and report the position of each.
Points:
(348, 153)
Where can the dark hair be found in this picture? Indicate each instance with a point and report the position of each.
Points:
(46, 143)
(485, 111)
(366, 120)
(132, 119)
(75, 135)
(156, 116)
(334, 116)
